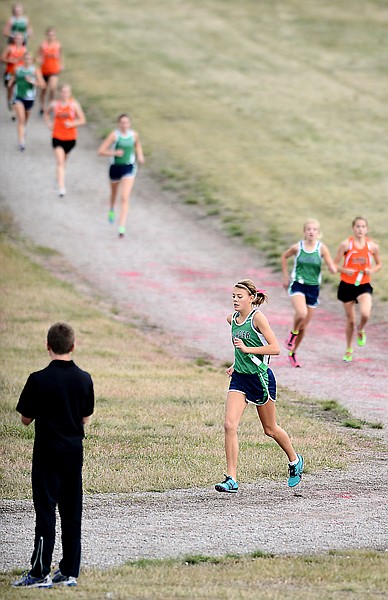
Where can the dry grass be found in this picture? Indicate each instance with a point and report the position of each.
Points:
(264, 113)
(338, 575)
(158, 420)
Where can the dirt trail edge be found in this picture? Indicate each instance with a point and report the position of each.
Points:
(185, 269)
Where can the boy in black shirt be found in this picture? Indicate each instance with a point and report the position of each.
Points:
(60, 399)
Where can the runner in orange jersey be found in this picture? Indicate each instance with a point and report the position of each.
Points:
(51, 62)
(13, 57)
(63, 116)
(357, 254)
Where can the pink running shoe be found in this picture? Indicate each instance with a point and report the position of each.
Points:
(293, 360)
(290, 341)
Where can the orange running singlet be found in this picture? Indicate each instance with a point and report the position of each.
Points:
(15, 52)
(63, 113)
(51, 58)
(358, 259)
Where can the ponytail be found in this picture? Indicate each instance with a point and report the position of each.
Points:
(259, 295)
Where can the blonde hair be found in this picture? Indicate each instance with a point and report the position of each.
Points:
(259, 295)
(313, 222)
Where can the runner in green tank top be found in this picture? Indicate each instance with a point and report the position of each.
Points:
(246, 331)
(18, 23)
(25, 83)
(126, 143)
(26, 79)
(124, 148)
(303, 285)
(252, 382)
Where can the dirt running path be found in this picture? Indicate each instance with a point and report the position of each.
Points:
(175, 270)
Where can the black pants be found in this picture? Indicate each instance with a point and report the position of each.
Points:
(57, 480)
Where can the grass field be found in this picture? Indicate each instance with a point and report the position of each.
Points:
(336, 576)
(263, 113)
(158, 420)
(143, 437)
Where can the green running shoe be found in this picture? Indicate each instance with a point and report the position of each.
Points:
(295, 472)
(348, 356)
(229, 485)
(361, 337)
(111, 216)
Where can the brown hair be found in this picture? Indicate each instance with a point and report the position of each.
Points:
(359, 219)
(126, 115)
(61, 338)
(259, 295)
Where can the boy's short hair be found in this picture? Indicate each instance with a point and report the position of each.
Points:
(60, 338)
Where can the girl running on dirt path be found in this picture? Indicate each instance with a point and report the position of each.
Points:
(356, 253)
(124, 148)
(26, 79)
(63, 116)
(303, 284)
(13, 57)
(18, 23)
(252, 381)
(50, 56)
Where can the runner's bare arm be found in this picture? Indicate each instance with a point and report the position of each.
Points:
(105, 148)
(292, 251)
(343, 248)
(139, 150)
(260, 322)
(327, 258)
(80, 117)
(376, 256)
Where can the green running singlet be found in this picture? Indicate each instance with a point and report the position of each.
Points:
(307, 265)
(24, 89)
(246, 331)
(127, 144)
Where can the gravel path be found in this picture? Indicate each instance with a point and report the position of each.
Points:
(334, 511)
(184, 265)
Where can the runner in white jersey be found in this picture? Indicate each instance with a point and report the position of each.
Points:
(124, 148)
(303, 284)
(252, 382)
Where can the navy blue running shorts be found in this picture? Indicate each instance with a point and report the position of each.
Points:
(258, 388)
(28, 104)
(118, 172)
(348, 292)
(310, 292)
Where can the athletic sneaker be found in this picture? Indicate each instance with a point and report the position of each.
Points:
(229, 485)
(67, 580)
(290, 341)
(27, 580)
(22, 147)
(121, 232)
(61, 192)
(361, 338)
(111, 216)
(295, 472)
(348, 356)
(293, 360)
